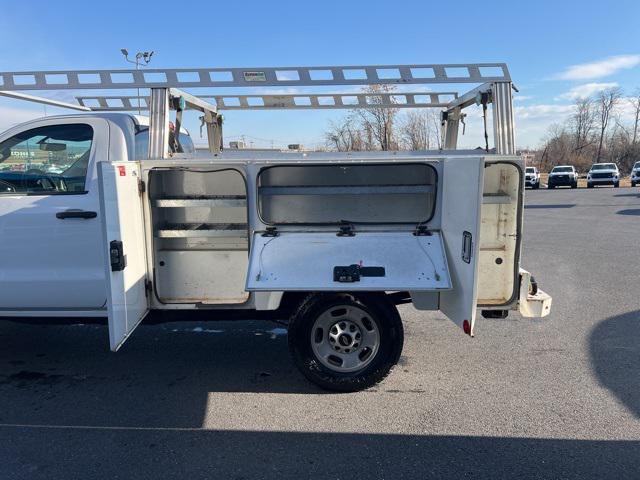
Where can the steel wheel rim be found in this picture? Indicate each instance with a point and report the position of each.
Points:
(344, 338)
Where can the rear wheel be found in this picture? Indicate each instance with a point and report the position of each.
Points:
(346, 342)
(536, 185)
(550, 187)
(574, 185)
(616, 185)
(589, 185)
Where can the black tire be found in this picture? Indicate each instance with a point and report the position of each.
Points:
(616, 185)
(589, 185)
(633, 184)
(574, 185)
(380, 310)
(550, 187)
(536, 186)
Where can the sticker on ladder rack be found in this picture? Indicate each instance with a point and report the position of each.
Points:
(254, 76)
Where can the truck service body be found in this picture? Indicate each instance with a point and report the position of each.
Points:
(119, 226)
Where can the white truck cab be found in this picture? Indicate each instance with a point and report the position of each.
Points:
(603, 174)
(105, 214)
(562, 175)
(532, 178)
(50, 220)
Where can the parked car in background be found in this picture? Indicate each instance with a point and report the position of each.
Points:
(603, 174)
(635, 174)
(532, 177)
(563, 175)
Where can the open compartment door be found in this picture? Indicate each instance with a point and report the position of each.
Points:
(123, 233)
(461, 209)
(366, 261)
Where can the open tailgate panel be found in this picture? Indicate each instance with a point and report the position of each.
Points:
(305, 261)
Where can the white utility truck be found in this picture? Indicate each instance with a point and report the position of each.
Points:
(109, 214)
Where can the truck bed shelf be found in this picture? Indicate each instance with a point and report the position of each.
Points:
(203, 201)
(346, 189)
(184, 230)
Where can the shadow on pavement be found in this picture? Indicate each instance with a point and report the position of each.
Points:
(552, 205)
(162, 376)
(71, 409)
(629, 211)
(614, 345)
(267, 454)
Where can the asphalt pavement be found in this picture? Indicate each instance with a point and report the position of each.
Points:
(548, 398)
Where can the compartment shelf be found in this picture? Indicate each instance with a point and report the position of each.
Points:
(193, 230)
(204, 201)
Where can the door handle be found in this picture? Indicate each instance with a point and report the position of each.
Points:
(76, 214)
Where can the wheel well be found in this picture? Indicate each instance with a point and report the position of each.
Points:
(292, 300)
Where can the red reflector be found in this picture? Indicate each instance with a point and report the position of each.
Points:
(122, 171)
(466, 326)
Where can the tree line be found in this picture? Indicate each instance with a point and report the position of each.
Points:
(595, 132)
(380, 128)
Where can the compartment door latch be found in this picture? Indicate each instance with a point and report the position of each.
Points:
(116, 256)
(352, 273)
(467, 244)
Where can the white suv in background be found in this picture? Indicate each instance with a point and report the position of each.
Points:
(532, 177)
(635, 174)
(563, 175)
(603, 174)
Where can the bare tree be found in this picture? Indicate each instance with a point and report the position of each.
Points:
(635, 104)
(419, 130)
(415, 131)
(346, 135)
(436, 127)
(583, 121)
(378, 121)
(607, 101)
(558, 147)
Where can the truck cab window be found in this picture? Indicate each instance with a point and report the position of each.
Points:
(46, 160)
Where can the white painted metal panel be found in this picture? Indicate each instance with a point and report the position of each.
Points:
(305, 261)
(462, 182)
(123, 221)
(48, 263)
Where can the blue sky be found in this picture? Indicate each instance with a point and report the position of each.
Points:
(540, 41)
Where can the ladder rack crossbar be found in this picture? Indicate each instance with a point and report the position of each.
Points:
(255, 77)
(287, 101)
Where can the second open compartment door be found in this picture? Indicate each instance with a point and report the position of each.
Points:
(367, 261)
(461, 209)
